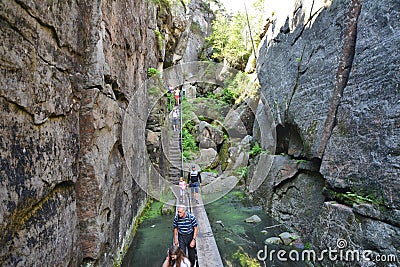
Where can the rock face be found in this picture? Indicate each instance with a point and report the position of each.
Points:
(68, 72)
(190, 25)
(329, 72)
(198, 26)
(209, 136)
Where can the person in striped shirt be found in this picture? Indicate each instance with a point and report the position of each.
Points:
(185, 232)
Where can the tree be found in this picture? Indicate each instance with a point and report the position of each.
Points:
(229, 41)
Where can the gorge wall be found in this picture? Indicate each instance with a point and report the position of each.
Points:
(68, 71)
(330, 76)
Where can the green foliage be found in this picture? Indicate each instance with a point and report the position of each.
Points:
(244, 259)
(160, 2)
(187, 155)
(188, 141)
(242, 172)
(152, 71)
(164, 198)
(201, 117)
(256, 150)
(211, 95)
(239, 195)
(153, 90)
(230, 38)
(227, 40)
(228, 96)
(189, 144)
(187, 108)
(224, 153)
(149, 211)
(356, 198)
(171, 102)
(237, 89)
(160, 39)
(350, 198)
(190, 126)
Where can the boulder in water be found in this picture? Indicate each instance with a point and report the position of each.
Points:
(273, 240)
(168, 208)
(253, 219)
(286, 238)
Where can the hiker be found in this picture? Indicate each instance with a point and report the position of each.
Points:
(182, 186)
(194, 181)
(176, 258)
(175, 116)
(176, 93)
(185, 232)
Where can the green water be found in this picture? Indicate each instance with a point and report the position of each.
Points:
(238, 242)
(152, 239)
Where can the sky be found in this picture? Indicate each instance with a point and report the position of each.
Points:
(236, 5)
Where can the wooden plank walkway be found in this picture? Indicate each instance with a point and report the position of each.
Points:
(207, 250)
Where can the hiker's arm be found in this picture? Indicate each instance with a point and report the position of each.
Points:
(196, 229)
(193, 242)
(176, 243)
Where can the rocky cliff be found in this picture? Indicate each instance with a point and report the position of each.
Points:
(68, 71)
(330, 76)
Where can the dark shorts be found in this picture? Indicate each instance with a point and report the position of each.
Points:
(194, 187)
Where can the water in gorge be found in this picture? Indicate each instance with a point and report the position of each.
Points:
(238, 242)
(152, 239)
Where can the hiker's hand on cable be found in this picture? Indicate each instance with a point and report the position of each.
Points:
(192, 243)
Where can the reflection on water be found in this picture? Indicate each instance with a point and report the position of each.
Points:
(238, 242)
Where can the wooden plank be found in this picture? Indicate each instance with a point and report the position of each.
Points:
(207, 250)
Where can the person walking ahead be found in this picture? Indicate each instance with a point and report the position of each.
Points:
(185, 232)
(175, 117)
(194, 181)
(177, 95)
(182, 189)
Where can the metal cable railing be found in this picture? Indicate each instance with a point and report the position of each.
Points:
(181, 131)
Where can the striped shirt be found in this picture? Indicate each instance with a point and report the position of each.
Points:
(185, 225)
